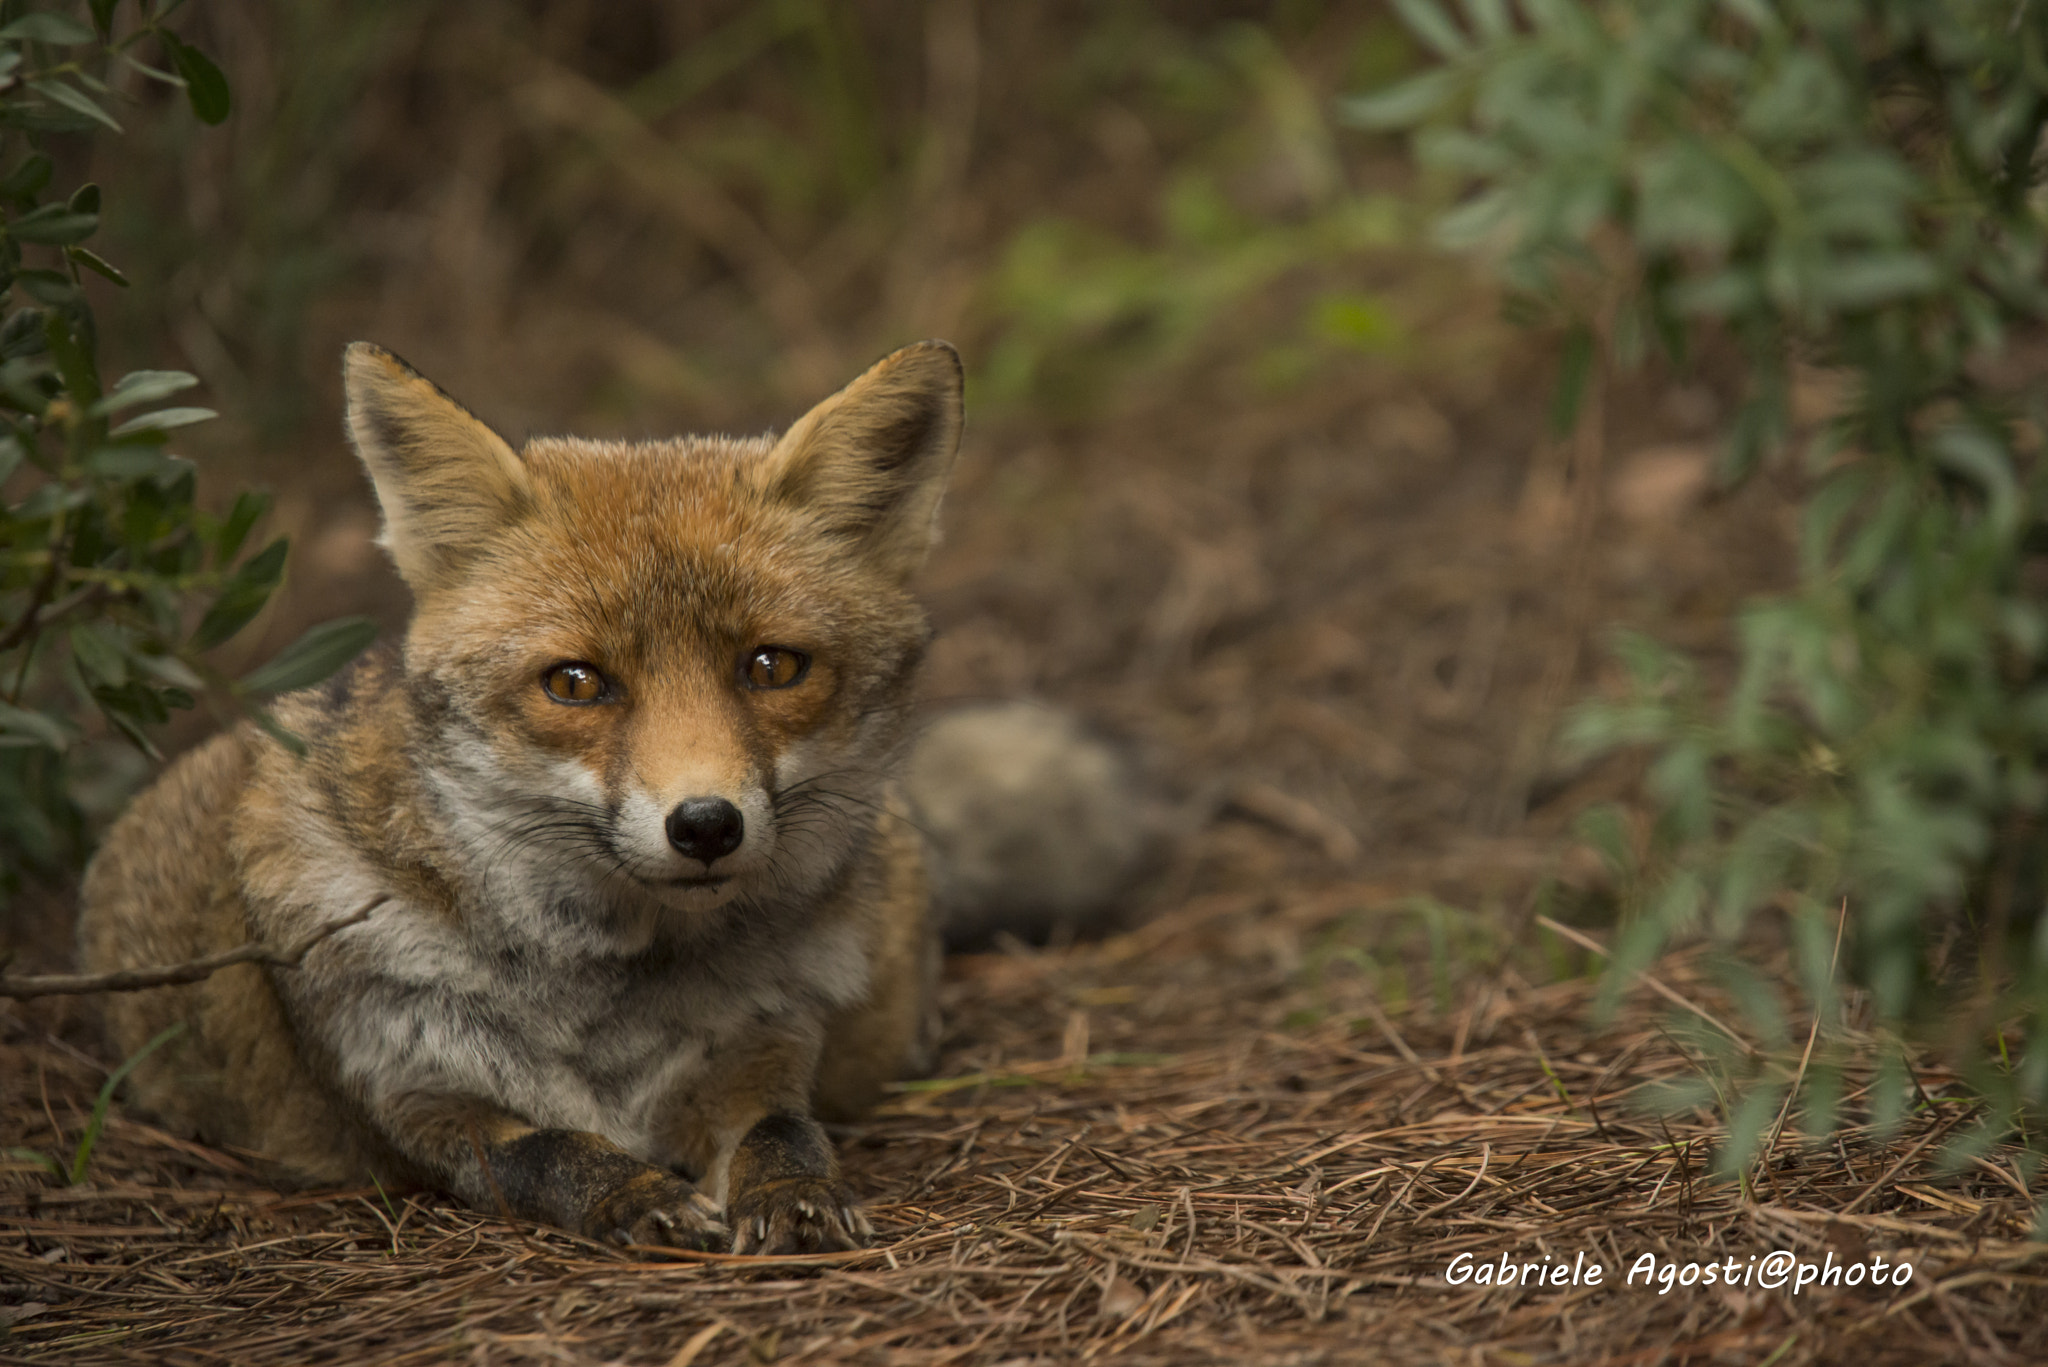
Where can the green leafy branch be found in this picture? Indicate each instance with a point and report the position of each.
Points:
(1856, 187)
(105, 553)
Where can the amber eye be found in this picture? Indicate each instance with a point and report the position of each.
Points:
(574, 682)
(775, 667)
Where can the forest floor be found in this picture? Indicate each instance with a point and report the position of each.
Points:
(1135, 1150)
(1332, 1050)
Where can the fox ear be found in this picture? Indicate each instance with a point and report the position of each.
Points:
(445, 480)
(872, 460)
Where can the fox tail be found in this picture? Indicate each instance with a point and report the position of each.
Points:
(1034, 827)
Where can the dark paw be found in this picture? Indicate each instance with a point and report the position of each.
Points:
(797, 1215)
(657, 1209)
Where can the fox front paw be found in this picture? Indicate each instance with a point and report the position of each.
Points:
(797, 1215)
(654, 1208)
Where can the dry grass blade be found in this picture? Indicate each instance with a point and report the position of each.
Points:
(1812, 1034)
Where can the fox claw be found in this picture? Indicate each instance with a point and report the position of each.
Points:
(669, 1214)
(798, 1215)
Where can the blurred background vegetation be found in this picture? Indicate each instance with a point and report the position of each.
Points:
(1340, 375)
(1855, 188)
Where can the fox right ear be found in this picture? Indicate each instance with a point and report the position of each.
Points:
(445, 480)
(871, 461)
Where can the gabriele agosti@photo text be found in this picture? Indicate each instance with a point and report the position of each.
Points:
(1772, 1271)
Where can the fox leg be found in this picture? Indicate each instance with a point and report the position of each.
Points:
(569, 1178)
(747, 1128)
(783, 1192)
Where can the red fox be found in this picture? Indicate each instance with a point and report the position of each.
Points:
(653, 895)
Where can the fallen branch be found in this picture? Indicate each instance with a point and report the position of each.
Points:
(191, 971)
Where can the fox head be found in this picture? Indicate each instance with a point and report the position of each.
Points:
(675, 672)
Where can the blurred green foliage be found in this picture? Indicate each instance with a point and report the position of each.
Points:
(797, 186)
(1854, 185)
(105, 556)
(1379, 949)
(1256, 192)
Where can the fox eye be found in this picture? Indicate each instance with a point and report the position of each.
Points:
(574, 682)
(774, 667)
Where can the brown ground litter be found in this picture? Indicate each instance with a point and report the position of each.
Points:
(1126, 1155)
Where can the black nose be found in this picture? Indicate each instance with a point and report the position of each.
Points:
(706, 828)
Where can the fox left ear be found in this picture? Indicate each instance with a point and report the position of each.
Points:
(872, 460)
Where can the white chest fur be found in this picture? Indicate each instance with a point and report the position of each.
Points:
(530, 1005)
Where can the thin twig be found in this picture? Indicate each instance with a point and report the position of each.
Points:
(39, 598)
(1650, 980)
(191, 971)
(1907, 1157)
(1485, 1161)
